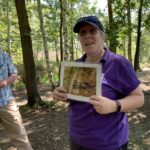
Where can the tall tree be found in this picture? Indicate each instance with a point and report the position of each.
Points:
(129, 31)
(71, 48)
(137, 53)
(8, 29)
(112, 38)
(61, 32)
(28, 61)
(45, 44)
(64, 31)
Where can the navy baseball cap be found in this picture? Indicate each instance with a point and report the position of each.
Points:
(92, 20)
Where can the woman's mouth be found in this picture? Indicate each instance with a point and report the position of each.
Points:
(88, 44)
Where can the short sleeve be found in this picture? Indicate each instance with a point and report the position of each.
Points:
(10, 66)
(121, 75)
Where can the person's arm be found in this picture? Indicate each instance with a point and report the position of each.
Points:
(8, 80)
(131, 102)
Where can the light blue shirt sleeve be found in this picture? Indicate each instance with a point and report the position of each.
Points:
(6, 69)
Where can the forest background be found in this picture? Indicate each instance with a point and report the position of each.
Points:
(38, 36)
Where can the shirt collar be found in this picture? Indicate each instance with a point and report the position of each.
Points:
(104, 58)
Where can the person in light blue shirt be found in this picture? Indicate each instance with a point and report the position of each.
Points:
(10, 117)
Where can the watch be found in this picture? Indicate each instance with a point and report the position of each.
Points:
(118, 109)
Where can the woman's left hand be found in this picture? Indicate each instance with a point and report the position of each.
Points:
(103, 105)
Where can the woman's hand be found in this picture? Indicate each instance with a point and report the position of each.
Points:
(103, 105)
(59, 94)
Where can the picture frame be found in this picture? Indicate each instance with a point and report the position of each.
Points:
(81, 80)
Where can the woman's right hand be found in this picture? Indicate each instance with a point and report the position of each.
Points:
(60, 94)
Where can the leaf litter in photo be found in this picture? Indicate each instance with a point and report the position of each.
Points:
(80, 80)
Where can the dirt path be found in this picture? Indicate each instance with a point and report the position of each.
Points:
(140, 120)
(47, 129)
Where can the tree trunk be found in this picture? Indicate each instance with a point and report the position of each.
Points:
(29, 65)
(71, 49)
(64, 31)
(137, 53)
(112, 36)
(57, 56)
(61, 33)
(45, 45)
(124, 47)
(130, 32)
(8, 29)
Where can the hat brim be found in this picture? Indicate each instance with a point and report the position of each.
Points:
(78, 26)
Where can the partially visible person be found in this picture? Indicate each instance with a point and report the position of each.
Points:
(102, 124)
(10, 117)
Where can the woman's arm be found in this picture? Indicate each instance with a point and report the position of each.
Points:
(133, 101)
(104, 105)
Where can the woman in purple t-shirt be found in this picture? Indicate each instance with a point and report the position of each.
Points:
(102, 124)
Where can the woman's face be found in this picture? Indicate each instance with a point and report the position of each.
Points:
(91, 39)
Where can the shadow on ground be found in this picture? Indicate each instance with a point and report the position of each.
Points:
(47, 128)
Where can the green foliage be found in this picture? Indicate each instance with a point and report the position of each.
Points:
(55, 69)
(147, 21)
(44, 79)
(25, 108)
(48, 104)
(19, 85)
(75, 9)
(42, 76)
(145, 47)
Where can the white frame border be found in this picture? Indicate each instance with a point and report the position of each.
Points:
(81, 64)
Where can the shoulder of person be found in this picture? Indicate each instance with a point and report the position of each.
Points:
(3, 56)
(3, 53)
(119, 60)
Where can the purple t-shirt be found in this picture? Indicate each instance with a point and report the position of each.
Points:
(104, 132)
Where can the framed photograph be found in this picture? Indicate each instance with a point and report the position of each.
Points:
(81, 80)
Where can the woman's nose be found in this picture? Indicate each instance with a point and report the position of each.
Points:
(87, 34)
